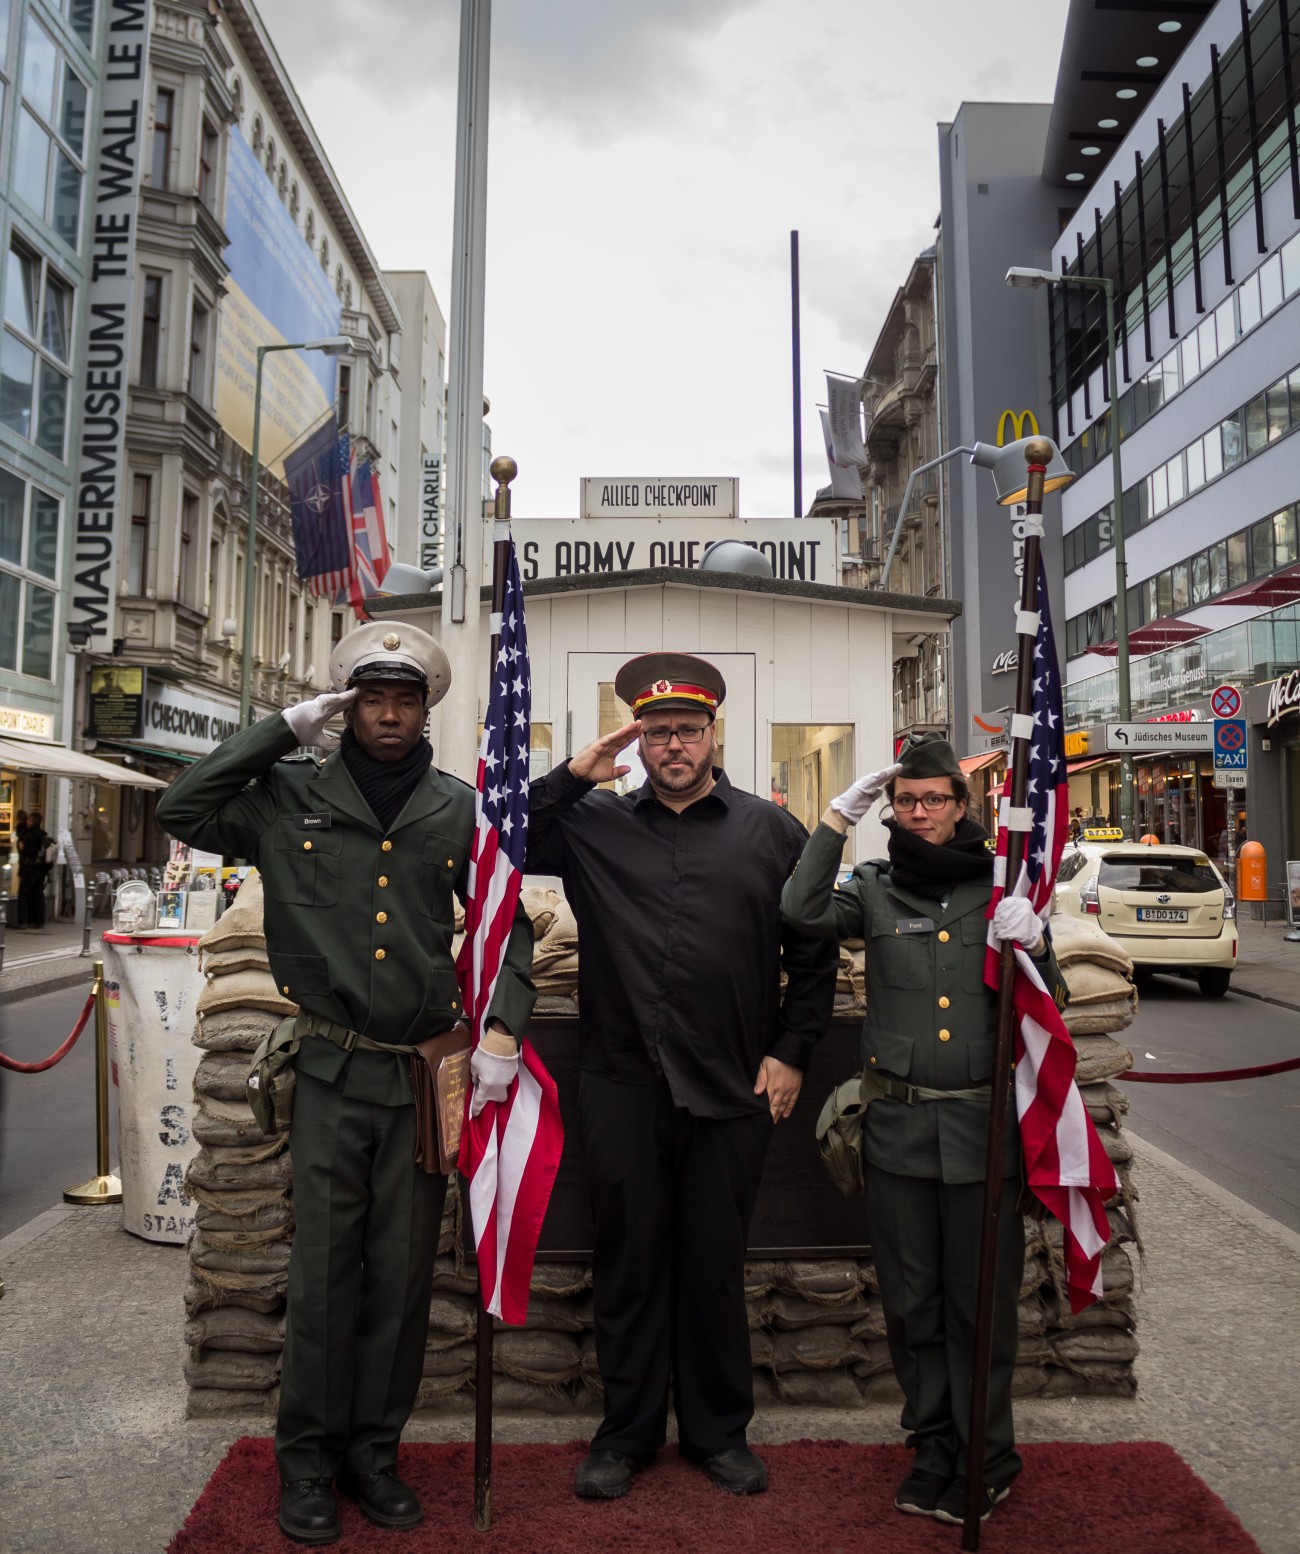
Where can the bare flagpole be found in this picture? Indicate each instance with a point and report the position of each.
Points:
(462, 584)
(794, 362)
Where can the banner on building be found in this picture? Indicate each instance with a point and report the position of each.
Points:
(100, 492)
(431, 512)
(276, 292)
(844, 412)
(800, 549)
(846, 479)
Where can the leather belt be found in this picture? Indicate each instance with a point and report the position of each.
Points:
(877, 1086)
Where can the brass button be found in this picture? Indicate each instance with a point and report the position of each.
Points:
(451, 863)
(943, 936)
(285, 989)
(943, 1035)
(454, 1004)
(379, 954)
(306, 847)
(383, 881)
(381, 917)
(943, 1003)
(386, 846)
(871, 1060)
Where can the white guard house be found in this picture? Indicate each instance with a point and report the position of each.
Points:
(808, 666)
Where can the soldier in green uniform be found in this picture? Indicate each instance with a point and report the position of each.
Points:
(927, 1051)
(360, 854)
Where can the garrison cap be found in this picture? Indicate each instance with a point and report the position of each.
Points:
(670, 682)
(927, 755)
(391, 650)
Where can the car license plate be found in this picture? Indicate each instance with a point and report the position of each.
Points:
(1162, 914)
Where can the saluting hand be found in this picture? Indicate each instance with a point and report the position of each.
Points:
(781, 1084)
(599, 761)
(854, 802)
(307, 719)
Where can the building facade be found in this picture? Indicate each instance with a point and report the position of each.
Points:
(415, 529)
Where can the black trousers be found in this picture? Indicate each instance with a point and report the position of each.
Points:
(672, 1196)
(31, 895)
(360, 1279)
(925, 1236)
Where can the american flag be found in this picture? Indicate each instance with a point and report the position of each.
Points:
(1066, 1164)
(510, 1152)
(320, 506)
(369, 538)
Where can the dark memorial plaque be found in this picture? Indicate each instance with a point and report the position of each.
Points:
(115, 705)
(800, 1212)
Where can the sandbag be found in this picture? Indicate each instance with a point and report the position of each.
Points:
(240, 925)
(447, 1276)
(1091, 983)
(828, 1283)
(1098, 1057)
(222, 1076)
(1083, 938)
(541, 906)
(762, 1277)
(452, 1319)
(1111, 1345)
(207, 1290)
(882, 1388)
(790, 1313)
(244, 990)
(556, 1316)
(877, 1360)
(447, 1394)
(1120, 1312)
(817, 1389)
(234, 1030)
(872, 1324)
(560, 1280)
(1116, 1381)
(232, 1372)
(210, 1402)
(226, 1125)
(221, 963)
(236, 1327)
(537, 1356)
(1115, 1014)
(816, 1349)
(215, 1169)
(271, 1257)
(530, 1397)
(257, 1210)
(456, 1361)
(1028, 1381)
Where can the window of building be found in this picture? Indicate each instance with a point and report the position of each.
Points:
(257, 134)
(1248, 303)
(151, 330)
(336, 628)
(345, 395)
(29, 553)
(282, 183)
(347, 293)
(1278, 401)
(34, 356)
(309, 228)
(208, 162)
(811, 763)
(49, 164)
(1270, 284)
(237, 93)
(338, 281)
(325, 254)
(293, 199)
(81, 13)
(189, 547)
(270, 156)
(197, 380)
(160, 152)
(1256, 425)
(137, 555)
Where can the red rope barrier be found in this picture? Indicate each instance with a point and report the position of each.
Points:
(39, 1068)
(1208, 1079)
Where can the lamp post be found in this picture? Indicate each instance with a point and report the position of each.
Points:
(336, 345)
(1032, 280)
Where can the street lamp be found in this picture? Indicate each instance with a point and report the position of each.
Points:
(1032, 280)
(336, 345)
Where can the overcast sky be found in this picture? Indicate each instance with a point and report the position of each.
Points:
(648, 159)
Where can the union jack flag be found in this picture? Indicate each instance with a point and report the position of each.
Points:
(1066, 1164)
(369, 538)
(510, 1152)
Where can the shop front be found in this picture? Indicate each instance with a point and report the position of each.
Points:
(1273, 716)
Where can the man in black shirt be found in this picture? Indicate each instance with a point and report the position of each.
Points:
(689, 1056)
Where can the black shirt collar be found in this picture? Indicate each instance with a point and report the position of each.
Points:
(721, 791)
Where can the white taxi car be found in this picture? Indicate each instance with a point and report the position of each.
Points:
(1168, 906)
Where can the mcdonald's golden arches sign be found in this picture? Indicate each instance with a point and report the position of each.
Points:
(1019, 419)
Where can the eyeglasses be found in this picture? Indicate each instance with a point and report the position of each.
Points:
(907, 802)
(688, 736)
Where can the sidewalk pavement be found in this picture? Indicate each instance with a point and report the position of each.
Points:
(97, 1457)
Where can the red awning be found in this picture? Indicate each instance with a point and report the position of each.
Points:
(1087, 764)
(977, 763)
(1158, 634)
(1267, 592)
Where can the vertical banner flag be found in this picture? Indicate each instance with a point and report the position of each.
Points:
(844, 399)
(369, 539)
(1066, 1164)
(321, 509)
(846, 479)
(510, 1152)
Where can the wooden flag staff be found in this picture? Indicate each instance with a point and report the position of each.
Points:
(1038, 454)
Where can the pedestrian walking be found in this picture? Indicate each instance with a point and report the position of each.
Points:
(34, 863)
(360, 855)
(927, 1050)
(689, 1057)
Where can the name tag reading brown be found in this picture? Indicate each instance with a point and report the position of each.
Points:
(439, 1080)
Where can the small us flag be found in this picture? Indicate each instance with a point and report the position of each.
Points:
(1066, 1164)
(510, 1152)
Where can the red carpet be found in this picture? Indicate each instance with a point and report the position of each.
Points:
(825, 1497)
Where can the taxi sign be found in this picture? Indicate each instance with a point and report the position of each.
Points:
(1101, 834)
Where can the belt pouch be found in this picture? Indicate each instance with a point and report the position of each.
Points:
(439, 1080)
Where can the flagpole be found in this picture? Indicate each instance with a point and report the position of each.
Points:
(503, 471)
(461, 610)
(794, 368)
(1038, 454)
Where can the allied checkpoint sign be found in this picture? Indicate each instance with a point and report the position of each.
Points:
(804, 550)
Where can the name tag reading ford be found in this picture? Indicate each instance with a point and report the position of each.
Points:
(911, 925)
(314, 822)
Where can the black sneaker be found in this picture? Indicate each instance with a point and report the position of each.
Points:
(308, 1512)
(952, 1504)
(604, 1475)
(920, 1492)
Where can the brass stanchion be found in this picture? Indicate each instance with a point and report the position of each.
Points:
(103, 1187)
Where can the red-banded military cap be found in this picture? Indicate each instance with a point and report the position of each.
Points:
(670, 682)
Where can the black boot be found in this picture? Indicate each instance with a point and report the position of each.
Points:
(307, 1510)
(383, 1498)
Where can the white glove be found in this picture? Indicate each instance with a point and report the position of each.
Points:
(307, 719)
(854, 802)
(493, 1076)
(1014, 918)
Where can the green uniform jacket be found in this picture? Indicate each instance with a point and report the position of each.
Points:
(359, 924)
(930, 1017)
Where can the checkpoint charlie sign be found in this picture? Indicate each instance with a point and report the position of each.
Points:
(799, 549)
(657, 496)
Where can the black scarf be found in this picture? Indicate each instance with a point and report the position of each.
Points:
(920, 866)
(385, 785)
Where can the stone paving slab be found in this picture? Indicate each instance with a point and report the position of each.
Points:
(96, 1456)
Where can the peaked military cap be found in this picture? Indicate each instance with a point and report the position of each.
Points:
(927, 755)
(391, 650)
(670, 682)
